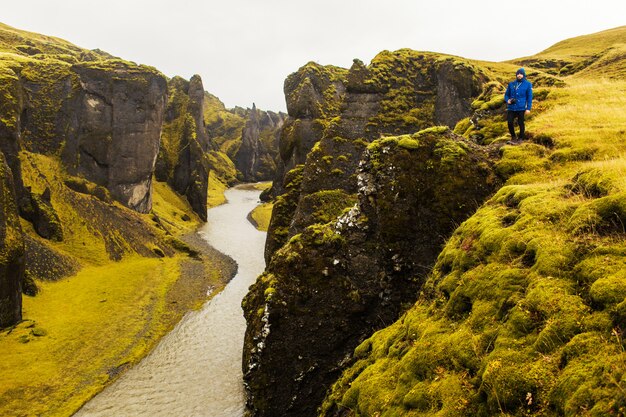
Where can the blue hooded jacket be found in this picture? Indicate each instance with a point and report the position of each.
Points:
(522, 91)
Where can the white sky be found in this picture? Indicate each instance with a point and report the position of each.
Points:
(244, 49)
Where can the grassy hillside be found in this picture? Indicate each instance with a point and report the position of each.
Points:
(102, 292)
(600, 54)
(525, 310)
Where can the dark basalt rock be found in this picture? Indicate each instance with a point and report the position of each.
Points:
(182, 159)
(399, 92)
(256, 157)
(333, 284)
(329, 283)
(102, 117)
(41, 214)
(117, 116)
(11, 250)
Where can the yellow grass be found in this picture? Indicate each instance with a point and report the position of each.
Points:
(89, 325)
(171, 208)
(262, 186)
(261, 216)
(585, 109)
(216, 191)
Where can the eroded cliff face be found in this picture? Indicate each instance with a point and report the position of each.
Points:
(103, 118)
(257, 154)
(183, 158)
(11, 250)
(117, 116)
(79, 129)
(338, 279)
(338, 270)
(399, 92)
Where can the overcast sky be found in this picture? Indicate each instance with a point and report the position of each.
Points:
(244, 49)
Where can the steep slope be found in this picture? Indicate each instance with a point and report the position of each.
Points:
(602, 54)
(523, 313)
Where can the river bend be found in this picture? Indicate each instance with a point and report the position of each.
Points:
(195, 370)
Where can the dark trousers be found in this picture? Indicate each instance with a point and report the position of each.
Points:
(510, 118)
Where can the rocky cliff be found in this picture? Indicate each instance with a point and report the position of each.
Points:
(337, 270)
(11, 250)
(256, 157)
(82, 130)
(78, 129)
(333, 283)
(102, 117)
(183, 157)
(399, 92)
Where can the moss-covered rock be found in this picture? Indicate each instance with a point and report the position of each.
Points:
(40, 212)
(257, 154)
(538, 307)
(11, 250)
(342, 279)
(102, 117)
(183, 156)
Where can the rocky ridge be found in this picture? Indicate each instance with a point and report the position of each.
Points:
(340, 284)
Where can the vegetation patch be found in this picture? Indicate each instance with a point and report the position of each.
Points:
(261, 216)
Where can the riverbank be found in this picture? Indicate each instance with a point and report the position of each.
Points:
(81, 333)
(261, 215)
(196, 368)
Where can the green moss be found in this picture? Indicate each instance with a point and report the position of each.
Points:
(610, 290)
(573, 154)
(407, 142)
(463, 126)
(450, 151)
(606, 215)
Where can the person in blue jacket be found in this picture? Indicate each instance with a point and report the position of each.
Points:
(519, 100)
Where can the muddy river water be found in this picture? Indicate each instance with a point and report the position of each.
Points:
(195, 370)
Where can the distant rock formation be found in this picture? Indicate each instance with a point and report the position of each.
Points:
(11, 250)
(183, 160)
(256, 156)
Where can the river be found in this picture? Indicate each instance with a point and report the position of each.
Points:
(195, 370)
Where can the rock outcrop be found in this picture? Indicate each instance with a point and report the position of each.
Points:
(333, 284)
(399, 92)
(116, 117)
(256, 157)
(102, 117)
(11, 250)
(183, 158)
(337, 271)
